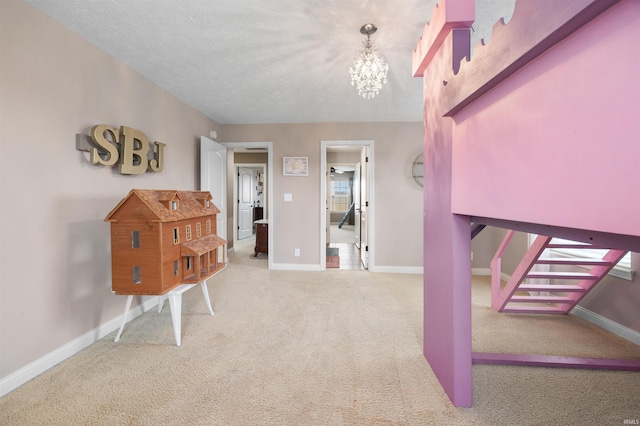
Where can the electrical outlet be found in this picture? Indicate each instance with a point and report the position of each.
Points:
(297, 252)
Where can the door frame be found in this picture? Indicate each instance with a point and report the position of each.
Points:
(236, 167)
(269, 211)
(323, 198)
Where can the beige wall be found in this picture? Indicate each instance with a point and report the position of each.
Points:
(485, 245)
(343, 157)
(398, 199)
(54, 251)
(250, 158)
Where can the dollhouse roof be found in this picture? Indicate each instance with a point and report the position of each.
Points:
(188, 204)
(201, 245)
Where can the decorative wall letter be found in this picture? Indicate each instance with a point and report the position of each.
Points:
(158, 162)
(98, 138)
(130, 147)
(135, 146)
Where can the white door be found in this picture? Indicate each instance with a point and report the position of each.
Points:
(326, 204)
(356, 203)
(213, 178)
(245, 202)
(364, 207)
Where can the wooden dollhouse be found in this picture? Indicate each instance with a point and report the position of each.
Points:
(163, 238)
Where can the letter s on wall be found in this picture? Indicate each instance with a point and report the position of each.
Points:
(98, 138)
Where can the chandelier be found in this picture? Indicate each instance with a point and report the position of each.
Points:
(369, 71)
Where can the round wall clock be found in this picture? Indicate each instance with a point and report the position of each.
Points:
(418, 169)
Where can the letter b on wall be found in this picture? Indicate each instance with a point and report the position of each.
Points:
(135, 146)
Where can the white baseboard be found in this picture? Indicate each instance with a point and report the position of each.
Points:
(398, 269)
(295, 267)
(313, 267)
(605, 323)
(486, 272)
(39, 366)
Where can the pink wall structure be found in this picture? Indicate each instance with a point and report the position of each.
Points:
(558, 143)
(537, 132)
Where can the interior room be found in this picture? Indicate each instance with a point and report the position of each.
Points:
(373, 229)
(342, 235)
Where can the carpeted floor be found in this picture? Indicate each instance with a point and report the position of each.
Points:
(322, 348)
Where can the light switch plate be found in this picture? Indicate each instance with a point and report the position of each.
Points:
(288, 197)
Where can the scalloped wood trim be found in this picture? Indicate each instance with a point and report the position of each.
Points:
(446, 16)
(536, 26)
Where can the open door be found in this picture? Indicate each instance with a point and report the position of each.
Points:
(364, 206)
(245, 202)
(213, 178)
(356, 204)
(327, 210)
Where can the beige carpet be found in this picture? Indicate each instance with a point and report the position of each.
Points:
(322, 348)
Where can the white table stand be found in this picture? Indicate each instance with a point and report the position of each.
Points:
(175, 304)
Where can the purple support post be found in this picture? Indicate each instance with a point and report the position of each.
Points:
(447, 238)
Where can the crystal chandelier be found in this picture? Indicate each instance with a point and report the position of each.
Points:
(369, 71)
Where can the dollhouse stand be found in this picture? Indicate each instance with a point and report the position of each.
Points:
(175, 304)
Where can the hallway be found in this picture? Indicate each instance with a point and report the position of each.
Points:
(343, 239)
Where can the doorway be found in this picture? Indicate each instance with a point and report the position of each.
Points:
(253, 154)
(249, 196)
(354, 240)
(343, 248)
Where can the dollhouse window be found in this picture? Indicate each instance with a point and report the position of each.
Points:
(188, 232)
(208, 226)
(189, 265)
(136, 275)
(206, 203)
(135, 239)
(198, 230)
(174, 205)
(176, 235)
(176, 268)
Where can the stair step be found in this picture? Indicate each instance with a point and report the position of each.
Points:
(534, 310)
(572, 261)
(561, 275)
(540, 299)
(575, 245)
(551, 287)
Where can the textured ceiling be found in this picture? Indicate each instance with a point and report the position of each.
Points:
(266, 61)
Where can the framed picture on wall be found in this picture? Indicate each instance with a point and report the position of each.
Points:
(295, 166)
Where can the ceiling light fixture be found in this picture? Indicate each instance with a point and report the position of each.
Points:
(369, 71)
